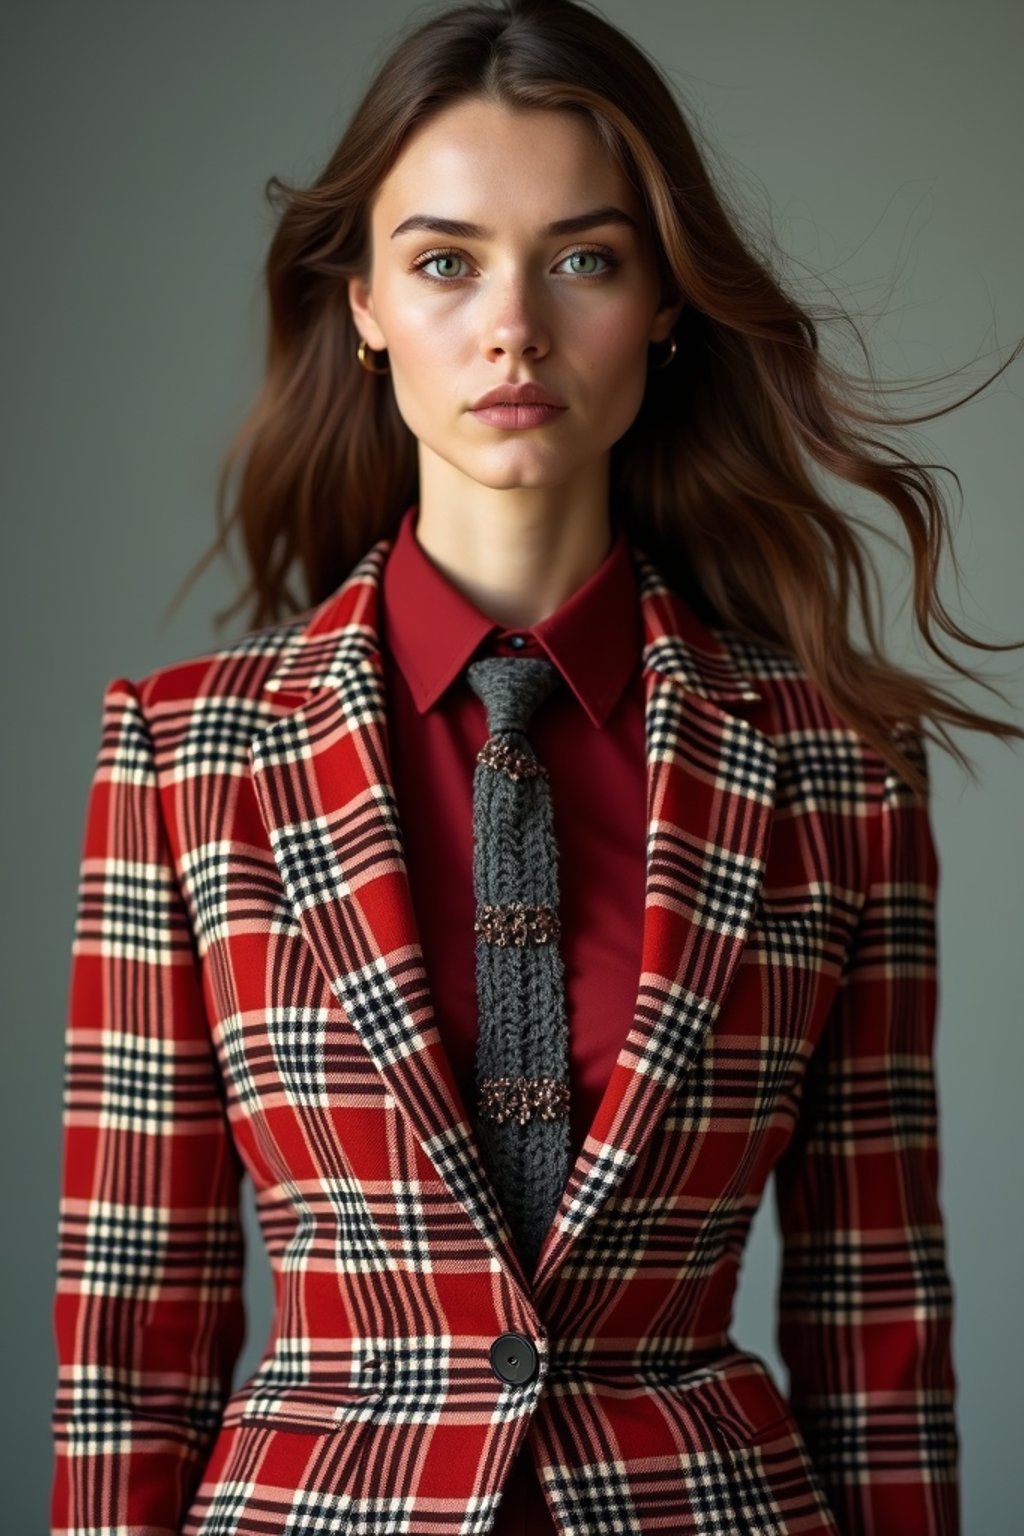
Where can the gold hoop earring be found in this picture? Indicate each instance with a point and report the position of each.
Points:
(666, 360)
(361, 352)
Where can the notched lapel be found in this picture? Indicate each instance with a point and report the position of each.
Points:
(323, 784)
(710, 799)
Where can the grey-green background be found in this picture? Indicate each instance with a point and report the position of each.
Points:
(881, 142)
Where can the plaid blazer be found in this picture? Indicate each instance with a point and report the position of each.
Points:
(248, 996)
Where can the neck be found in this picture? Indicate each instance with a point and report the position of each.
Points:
(516, 555)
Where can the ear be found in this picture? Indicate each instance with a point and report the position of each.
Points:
(360, 302)
(665, 319)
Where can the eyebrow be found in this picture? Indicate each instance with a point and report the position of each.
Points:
(460, 230)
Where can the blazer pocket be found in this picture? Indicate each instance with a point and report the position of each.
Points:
(759, 1417)
(322, 1408)
(772, 1485)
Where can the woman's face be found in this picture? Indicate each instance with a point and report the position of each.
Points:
(460, 312)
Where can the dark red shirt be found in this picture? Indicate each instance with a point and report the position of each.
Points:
(591, 738)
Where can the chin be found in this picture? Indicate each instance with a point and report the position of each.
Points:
(515, 478)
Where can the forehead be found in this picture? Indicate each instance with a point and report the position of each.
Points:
(477, 156)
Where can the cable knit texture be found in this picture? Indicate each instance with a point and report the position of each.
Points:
(522, 1114)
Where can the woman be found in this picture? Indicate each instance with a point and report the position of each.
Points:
(284, 962)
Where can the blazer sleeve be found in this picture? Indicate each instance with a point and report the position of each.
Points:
(865, 1297)
(148, 1316)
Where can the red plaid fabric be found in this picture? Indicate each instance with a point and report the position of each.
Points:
(248, 996)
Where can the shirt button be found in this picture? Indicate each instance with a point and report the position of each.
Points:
(517, 641)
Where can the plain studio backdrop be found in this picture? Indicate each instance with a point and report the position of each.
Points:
(881, 143)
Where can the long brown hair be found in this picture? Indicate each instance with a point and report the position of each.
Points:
(714, 477)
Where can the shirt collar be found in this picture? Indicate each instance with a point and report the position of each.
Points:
(432, 630)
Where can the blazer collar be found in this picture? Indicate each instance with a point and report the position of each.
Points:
(346, 626)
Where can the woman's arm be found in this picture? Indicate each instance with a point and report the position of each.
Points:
(865, 1303)
(148, 1316)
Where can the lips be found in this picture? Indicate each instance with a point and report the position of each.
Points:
(518, 394)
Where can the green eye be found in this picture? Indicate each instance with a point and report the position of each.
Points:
(576, 255)
(444, 257)
(430, 257)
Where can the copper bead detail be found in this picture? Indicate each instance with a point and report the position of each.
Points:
(516, 922)
(498, 752)
(523, 1099)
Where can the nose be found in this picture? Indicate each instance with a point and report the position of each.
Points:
(514, 324)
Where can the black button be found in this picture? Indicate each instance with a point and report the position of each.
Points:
(518, 641)
(513, 1358)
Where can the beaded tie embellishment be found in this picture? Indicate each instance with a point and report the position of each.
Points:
(498, 752)
(519, 923)
(523, 1099)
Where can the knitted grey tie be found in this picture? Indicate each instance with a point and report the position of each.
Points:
(522, 1062)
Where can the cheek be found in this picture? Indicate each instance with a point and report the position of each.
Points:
(420, 341)
(615, 364)
(418, 360)
(429, 355)
(613, 347)
(617, 335)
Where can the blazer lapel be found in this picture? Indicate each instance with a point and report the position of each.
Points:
(322, 779)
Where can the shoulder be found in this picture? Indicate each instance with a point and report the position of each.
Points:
(203, 709)
(239, 668)
(818, 748)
